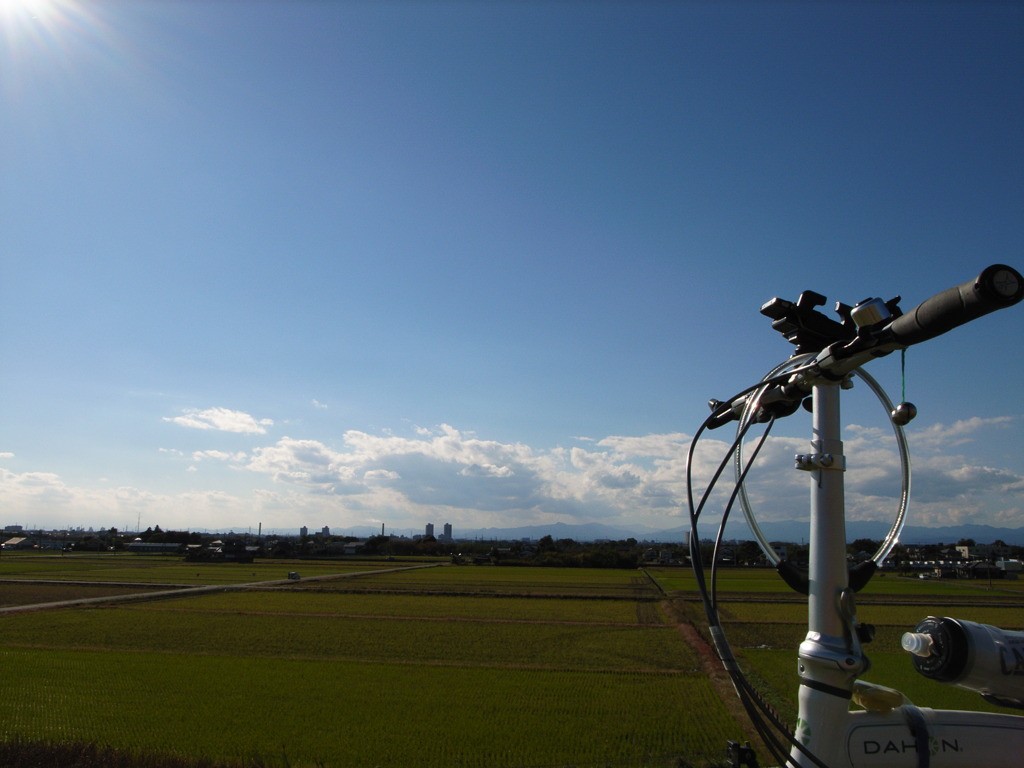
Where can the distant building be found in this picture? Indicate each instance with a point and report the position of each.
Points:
(326, 531)
(303, 531)
(983, 551)
(429, 530)
(979, 569)
(447, 531)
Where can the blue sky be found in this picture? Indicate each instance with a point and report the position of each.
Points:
(344, 263)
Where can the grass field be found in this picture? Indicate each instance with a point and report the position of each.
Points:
(161, 569)
(440, 666)
(468, 666)
(765, 622)
(506, 580)
(1005, 616)
(340, 714)
(759, 581)
(328, 603)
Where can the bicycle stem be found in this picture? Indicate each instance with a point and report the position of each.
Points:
(830, 657)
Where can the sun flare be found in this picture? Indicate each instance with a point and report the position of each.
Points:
(28, 11)
(43, 41)
(27, 22)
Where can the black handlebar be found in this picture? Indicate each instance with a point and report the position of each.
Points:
(996, 287)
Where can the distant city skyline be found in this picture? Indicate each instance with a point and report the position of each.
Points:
(788, 531)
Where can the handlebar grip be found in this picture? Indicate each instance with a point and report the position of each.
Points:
(997, 286)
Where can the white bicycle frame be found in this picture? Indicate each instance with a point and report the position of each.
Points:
(831, 658)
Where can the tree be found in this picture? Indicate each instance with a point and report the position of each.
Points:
(602, 557)
(375, 545)
(865, 545)
(748, 553)
(283, 548)
(89, 544)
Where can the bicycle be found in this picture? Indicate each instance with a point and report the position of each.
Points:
(889, 732)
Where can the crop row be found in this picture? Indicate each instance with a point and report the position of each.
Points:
(155, 569)
(766, 583)
(170, 627)
(742, 580)
(504, 580)
(780, 636)
(355, 715)
(415, 606)
(906, 616)
(33, 593)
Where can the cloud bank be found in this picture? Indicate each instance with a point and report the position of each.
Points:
(447, 474)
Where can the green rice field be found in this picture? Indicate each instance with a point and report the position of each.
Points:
(440, 666)
(161, 569)
(765, 622)
(381, 664)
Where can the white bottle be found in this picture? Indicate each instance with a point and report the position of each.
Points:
(978, 657)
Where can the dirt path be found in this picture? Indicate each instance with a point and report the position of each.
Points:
(711, 665)
(167, 594)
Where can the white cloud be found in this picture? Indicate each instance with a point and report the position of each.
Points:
(218, 455)
(944, 436)
(380, 475)
(222, 419)
(949, 490)
(445, 472)
(304, 462)
(29, 489)
(459, 472)
(44, 499)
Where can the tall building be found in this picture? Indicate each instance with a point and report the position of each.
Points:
(326, 530)
(430, 529)
(303, 531)
(447, 531)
